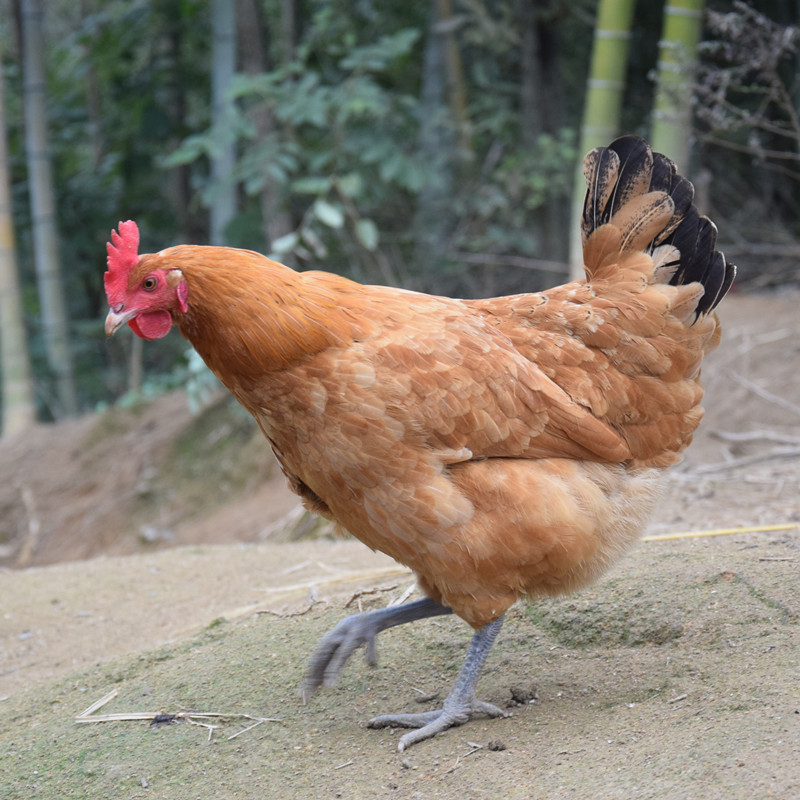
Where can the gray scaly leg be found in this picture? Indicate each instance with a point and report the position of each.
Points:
(460, 705)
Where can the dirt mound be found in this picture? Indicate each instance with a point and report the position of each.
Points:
(136, 480)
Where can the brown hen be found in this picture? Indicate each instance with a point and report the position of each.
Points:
(501, 448)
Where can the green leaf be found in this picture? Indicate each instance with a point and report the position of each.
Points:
(311, 185)
(285, 244)
(350, 185)
(376, 56)
(189, 150)
(367, 233)
(328, 214)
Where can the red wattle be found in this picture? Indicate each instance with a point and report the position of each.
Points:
(151, 325)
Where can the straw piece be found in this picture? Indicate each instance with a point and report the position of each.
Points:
(719, 532)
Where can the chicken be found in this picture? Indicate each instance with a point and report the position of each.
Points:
(501, 448)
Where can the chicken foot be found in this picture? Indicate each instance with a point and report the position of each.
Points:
(360, 629)
(459, 706)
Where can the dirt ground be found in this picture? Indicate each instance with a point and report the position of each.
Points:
(676, 676)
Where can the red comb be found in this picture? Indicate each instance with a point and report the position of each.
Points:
(123, 256)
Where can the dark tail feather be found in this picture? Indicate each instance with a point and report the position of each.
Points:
(628, 169)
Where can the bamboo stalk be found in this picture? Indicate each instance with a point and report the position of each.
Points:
(605, 87)
(54, 317)
(671, 117)
(19, 411)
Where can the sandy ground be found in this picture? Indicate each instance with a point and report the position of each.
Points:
(674, 677)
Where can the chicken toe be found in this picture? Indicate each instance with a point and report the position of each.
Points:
(429, 723)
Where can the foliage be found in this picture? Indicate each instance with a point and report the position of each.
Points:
(345, 144)
(348, 157)
(113, 76)
(747, 89)
(363, 157)
(747, 113)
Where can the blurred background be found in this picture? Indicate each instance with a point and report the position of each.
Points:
(434, 145)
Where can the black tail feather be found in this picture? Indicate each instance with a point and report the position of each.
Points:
(631, 167)
(717, 282)
(635, 161)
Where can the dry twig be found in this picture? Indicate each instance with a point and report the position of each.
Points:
(344, 577)
(200, 718)
(396, 601)
(362, 592)
(475, 747)
(763, 393)
(288, 614)
(744, 461)
(755, 436)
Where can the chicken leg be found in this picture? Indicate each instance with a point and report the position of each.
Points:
(339, 643)
(459, 706)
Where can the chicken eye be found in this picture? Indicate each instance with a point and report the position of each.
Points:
(149, 283)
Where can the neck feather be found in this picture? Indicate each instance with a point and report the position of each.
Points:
(248, 315)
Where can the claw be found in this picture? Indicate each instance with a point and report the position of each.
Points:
(336, 647)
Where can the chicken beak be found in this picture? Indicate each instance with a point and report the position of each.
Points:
(117, 318)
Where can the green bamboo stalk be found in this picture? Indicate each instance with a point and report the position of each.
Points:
(223, 162)
(671, 118)
(17, 388)
(55, 324)
(605, 88)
